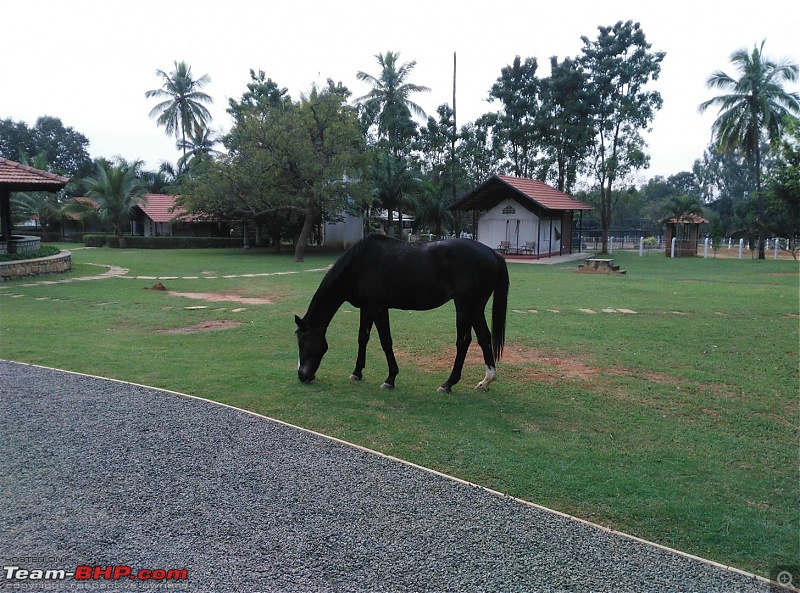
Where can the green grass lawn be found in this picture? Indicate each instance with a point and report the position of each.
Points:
(676, 422)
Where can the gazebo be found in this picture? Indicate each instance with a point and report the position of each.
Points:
(16, 177)
(686, 231)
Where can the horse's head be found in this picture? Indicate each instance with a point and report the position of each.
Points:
(313, 346)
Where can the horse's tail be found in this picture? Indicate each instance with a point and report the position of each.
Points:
(499, 308)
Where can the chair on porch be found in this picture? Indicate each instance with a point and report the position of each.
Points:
(529, 248)
(504, 247)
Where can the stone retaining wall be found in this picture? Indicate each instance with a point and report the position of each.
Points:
(55, 264)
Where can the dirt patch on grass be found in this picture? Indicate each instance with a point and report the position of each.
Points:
(202, 327)
(222, 297)
(535, 363)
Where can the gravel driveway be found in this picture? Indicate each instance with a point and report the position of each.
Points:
(99, 473)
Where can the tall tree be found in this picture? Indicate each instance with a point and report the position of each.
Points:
(753, 109)
(784, 204)
(182, 104)
(517, 89)
(443, 175)
(64, 150)
(389, 104)
(564, 122)
(199, 144)
(619, 64)
(116, 189)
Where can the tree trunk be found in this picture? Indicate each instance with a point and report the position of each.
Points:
(761, 208)
(305, 233)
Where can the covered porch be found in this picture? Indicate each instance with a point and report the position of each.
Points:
(523, 218)
(16, 177)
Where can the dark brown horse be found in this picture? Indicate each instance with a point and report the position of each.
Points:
(379, 273)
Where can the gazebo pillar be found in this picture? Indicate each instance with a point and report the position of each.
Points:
(5, 214)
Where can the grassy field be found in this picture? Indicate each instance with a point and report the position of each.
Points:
(663, 403)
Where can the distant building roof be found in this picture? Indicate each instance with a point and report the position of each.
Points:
(161, 208)
(529, 192)
(18, 177)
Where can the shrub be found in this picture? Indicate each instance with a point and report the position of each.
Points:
(44, 251)
(137, 242)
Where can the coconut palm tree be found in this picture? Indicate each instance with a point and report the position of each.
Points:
(199, 144)
(388, 103)
(753, 109)
(182, 106)
(116, 189)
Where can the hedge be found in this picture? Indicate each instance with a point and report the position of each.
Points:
(138, 242)
(44, 251)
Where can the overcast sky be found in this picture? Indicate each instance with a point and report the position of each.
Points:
(89, 62)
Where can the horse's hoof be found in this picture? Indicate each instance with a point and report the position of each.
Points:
(386, 385)
(481, 387)
(355, 378)
(444, 389)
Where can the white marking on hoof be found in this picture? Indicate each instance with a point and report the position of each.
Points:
(386, 385)
(355, 378)
(491, 375)
(443, 389)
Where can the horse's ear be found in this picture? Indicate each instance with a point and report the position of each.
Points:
(300, 323)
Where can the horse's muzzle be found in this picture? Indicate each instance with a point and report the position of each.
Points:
(304, 376)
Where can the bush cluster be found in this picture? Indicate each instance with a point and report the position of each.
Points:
(44, 251)
(135, 241)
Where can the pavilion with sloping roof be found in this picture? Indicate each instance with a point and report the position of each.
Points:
(16, 177)
(523, 217)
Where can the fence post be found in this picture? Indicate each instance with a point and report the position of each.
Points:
(641, 246)
(705, 248)
(672, 249)
(730, 241)
(777, 246)
(741, 247)
(611, 245)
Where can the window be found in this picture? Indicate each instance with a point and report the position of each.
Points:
(509, 210)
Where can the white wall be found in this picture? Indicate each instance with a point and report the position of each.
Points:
(341, 235)
(517, 225)
(518, 228)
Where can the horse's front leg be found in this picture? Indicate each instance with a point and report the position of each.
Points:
(380, 315)
(364, 329)
(463, 340)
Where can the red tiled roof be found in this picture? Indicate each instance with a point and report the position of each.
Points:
(500, 187)
(18, 177)
(161, 208)
(87, 202)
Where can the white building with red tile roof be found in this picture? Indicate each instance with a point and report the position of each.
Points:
(521, 216)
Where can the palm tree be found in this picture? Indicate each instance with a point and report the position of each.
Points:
(393, 186)
(199, 144)
(388, 102)
(182, 106)
(116, 189)
(753, 108)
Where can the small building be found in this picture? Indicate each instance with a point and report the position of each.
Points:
(342, 233)
(686, 232)
(160, 216)
(524, 217)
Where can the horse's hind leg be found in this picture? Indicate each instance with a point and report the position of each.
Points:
(485, 342)
(463, 340)
(364, 329)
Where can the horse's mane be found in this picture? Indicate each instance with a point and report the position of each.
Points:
(344, 262)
